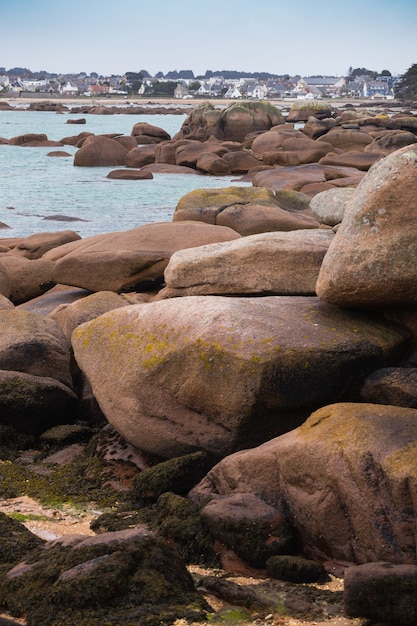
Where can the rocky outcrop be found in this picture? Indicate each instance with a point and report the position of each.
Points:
(35, 246)
(27, 278)
(249, 367)
(343, 478)
(129, 260)
(370, 262)
(328, 207)
(232, 124)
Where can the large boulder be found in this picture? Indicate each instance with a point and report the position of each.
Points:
(299, 177)
(132, 259)
(33, 344)
(99, 151)
(217, 373)
(370, 262)
(344, 478)
(269, 263)
(232, 123)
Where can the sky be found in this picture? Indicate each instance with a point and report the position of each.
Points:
(321, 37)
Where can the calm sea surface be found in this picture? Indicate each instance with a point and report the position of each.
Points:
(35, 188)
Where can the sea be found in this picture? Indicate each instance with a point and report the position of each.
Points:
(40, 193)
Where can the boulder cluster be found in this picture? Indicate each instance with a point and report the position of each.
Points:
(260, 349)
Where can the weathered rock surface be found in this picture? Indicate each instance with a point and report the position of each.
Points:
(382, 592)
(129, 260)
(269, 263)
(129, 175)
(247, 368)
(328, 207)
(140, 156)
(35, 345)
(344, 478)
(70, 315)
(392, 385)
(370, 262)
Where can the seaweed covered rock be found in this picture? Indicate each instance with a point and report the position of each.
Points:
(15, 541)
(128, 577)
(244, 370)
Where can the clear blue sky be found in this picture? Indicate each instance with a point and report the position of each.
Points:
(296, 37)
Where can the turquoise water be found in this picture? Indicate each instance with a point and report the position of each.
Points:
(35, 187)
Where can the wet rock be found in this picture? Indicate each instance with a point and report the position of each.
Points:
(382, 592)
(296, 569)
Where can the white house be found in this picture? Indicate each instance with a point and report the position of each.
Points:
(69, 90)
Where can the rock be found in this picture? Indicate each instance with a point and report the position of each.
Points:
(127, 142)
(165, 151)
(125, 577)
(28, 279)
(369, 263)
(382, 592)
(143, 128)
(390, 140)
(251, 528)
(343, 479)
(271, 141)
(28, 138)
(5, 303)
(58, 295)
(315, 128)
(176, 475)
(15, 540)
(32, 404)
(35, 246)
(346, 140)
(129, 175)
(100, 151)
(269, 263)
(303, 109)
(296, 569)
(189, 154)
(76, 140)
(241, 161)
(5, 287)
(80, 120)
(232, 123)
(328, 207)
(35, 345)
(298, 177)
(403, 122)
(392, 385)
(361, 160)
(212, 164)
(70, 315)
(58, 153)
(167, 168)
(246, 209)
(134, 259)
(247, 369)
(140, 156)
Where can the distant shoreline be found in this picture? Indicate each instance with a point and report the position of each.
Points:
(186, 103)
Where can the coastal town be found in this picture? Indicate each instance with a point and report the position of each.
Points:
(358, 83)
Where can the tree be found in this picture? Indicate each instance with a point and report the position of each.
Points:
(385, 73)
(407, 86)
